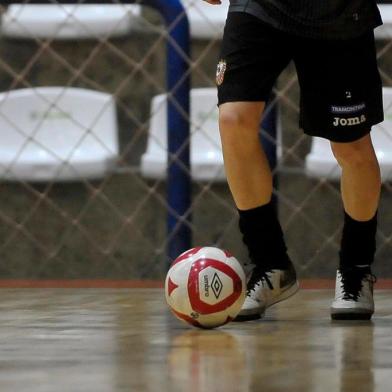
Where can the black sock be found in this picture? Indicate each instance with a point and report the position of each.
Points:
(263, 236)
(358, 243)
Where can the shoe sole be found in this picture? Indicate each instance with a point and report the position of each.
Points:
(248, 317)
(358, 315)
(289, 292)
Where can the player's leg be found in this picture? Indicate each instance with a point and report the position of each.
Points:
(341, 98)
(247, 70)
(360, 180)
(360, 188)
(273, 277)
(247, 169)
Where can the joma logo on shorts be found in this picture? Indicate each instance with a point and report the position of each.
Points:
(347, 122)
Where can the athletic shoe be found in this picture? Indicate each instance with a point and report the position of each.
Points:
(265, 288)
(353, 295)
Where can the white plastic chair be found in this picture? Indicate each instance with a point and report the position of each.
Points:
(57, 134)
(385, 31)
(206, 20)
(68, 21)
(206, 152)
(321, 163)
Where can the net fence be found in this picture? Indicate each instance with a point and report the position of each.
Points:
(82, 161)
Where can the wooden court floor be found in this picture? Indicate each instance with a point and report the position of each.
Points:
(125, 340)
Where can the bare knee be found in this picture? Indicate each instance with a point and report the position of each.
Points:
(355, 154)
(240, 119)
(231, 120)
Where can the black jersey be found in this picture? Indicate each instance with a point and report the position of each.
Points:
(330, 19)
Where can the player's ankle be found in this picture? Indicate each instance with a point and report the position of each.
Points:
(263, 236)
(282, 263)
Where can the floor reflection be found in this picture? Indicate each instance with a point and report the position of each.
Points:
(354, 355)
(201, 361)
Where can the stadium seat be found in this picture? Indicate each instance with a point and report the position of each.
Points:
(206, 21)
(68, 21)
(206, 154)
(385, 31)
(320, 162)
(48, 134)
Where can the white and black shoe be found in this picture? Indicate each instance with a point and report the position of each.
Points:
(353, 295)
(266, 288)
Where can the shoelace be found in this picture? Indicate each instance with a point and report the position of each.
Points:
(352, 282)
(259, 275)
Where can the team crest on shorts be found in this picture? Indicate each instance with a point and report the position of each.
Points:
(220, 72)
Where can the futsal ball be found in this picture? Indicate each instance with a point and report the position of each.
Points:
(205, 287)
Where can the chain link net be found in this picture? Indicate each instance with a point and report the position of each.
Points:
(115, 227)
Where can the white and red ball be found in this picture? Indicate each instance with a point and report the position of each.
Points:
(205, 287)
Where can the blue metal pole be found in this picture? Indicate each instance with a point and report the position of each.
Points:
(178, 86)
(178, 83)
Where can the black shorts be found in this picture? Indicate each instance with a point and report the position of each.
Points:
(341, 90)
